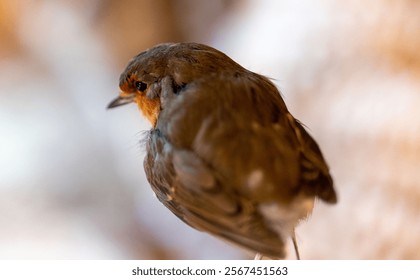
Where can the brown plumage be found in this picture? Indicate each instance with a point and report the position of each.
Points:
(224, 154)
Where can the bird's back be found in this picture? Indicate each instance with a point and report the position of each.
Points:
(228, 158)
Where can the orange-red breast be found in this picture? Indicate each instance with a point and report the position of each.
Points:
(224, 154)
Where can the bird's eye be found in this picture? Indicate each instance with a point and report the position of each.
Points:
(140, 86)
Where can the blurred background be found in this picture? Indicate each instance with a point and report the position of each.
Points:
(72, 184)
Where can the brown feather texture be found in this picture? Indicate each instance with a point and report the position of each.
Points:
(224, 153)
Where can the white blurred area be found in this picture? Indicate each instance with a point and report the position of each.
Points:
(72, 184)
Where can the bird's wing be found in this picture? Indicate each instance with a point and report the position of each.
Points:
(242, 117)
(191, 190)
(315, 178)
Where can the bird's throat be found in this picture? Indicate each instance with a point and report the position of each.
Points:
(149, 107)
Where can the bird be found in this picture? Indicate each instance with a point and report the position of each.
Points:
(223, 153)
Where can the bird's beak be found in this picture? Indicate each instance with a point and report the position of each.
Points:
(122, 99)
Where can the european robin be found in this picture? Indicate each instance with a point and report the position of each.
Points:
(224, 154)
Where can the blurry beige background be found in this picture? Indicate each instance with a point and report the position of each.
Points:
(72, 184)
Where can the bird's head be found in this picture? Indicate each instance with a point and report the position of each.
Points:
(182, 63)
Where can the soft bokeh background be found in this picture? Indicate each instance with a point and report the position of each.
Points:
(72, 184)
